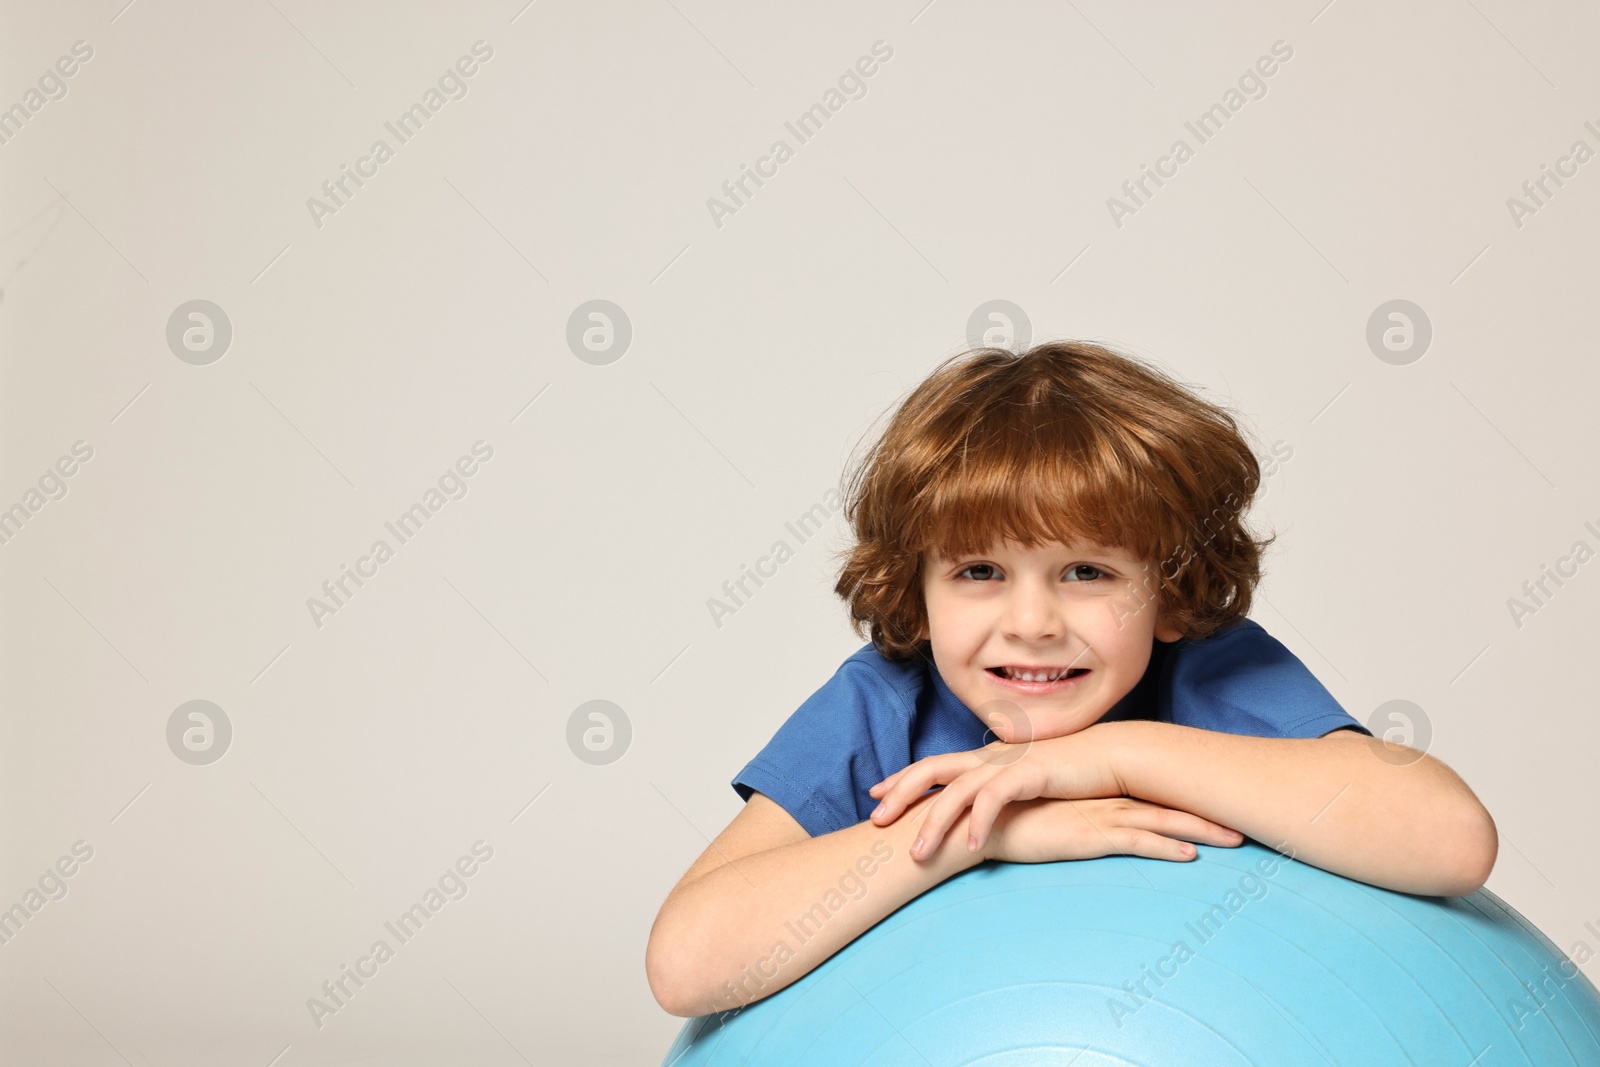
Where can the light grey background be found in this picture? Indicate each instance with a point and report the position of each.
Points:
(431, 311)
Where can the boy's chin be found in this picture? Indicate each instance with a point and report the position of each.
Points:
(1023, 728)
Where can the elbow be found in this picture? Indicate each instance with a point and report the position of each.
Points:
(673, 1003)
(670, 1001)
(664, 986)
(1478, 846)
(665, 971)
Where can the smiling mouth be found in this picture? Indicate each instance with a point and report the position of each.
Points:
(1040, 677)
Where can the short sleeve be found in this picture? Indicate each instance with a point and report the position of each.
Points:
(1242, 680)
(831, 750)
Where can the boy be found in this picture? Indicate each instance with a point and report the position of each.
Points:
(1030, 569)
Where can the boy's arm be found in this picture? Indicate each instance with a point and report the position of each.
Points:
(1335, 799)
(747, 928)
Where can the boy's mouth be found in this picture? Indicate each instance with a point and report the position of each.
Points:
(1037, 677)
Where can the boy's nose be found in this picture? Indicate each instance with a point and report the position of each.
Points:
(1033, 615)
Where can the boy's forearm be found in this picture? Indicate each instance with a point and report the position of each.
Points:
(1335, 800)
(747, 929)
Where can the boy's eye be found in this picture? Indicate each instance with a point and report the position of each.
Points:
(1074, 573)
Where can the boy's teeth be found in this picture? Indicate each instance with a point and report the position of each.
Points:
(1035, 676)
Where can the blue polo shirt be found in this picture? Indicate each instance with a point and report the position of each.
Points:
(876, 716)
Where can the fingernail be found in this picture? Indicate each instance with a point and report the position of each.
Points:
(916, 846)
(879, 810)
(972, 843)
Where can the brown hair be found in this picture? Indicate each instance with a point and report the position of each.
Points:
(1067, 441)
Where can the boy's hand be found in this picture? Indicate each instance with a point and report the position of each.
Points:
(1076, 766)
(1046, 830)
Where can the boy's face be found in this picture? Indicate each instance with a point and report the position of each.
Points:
(1085, 607)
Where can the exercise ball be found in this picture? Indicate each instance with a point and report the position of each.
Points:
(1240, 956)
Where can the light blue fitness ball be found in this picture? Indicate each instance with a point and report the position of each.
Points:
(1238, 957)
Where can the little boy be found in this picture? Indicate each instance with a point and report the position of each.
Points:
(1030, 566)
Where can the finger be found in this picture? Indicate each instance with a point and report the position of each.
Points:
(1175, 823)
(890, 797)
(1151, 845)
(917, 779)
(943, 812)
(931, 832)
(1013, 783)
(890, 801)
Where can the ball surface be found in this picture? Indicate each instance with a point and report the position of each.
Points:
(1238, 957)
